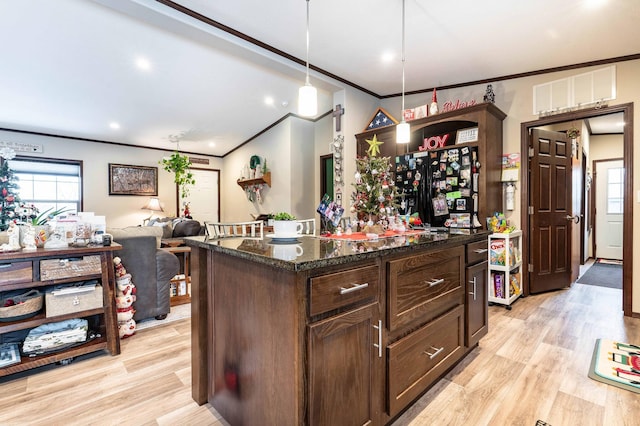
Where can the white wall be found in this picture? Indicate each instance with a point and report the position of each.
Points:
(120, 210)
(289, 149)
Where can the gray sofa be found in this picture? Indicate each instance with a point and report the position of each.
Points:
(150, 267)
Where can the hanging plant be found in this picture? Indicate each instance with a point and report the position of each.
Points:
(573, 132)
(180, 166)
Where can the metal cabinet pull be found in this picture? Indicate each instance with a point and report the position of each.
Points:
(355, 287)
(435, 354)
(480, 251)
(474, 288)
(434, 282)
(379, 344)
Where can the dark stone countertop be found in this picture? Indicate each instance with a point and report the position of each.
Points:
(311, 252)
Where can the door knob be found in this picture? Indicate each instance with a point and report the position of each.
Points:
(575, 218)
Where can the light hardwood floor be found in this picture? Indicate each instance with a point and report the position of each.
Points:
(532, 365)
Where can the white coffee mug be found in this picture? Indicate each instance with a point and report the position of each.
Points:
(287, 228)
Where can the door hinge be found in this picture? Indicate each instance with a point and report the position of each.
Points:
(531, 152)
(530, 267)
(531, 210)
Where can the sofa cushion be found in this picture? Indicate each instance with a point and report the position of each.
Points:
(137, 231)
(167, 228)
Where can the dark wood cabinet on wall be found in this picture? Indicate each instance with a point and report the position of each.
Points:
(449, 129)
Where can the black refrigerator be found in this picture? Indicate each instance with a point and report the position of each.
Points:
(441, 186)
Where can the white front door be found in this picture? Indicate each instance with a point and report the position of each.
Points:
(609, 208)
(204, 196)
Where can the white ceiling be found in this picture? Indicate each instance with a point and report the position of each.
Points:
(69, 66)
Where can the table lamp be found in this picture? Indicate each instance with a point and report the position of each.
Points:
(152, 205)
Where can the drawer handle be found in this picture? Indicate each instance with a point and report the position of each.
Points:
(434, 282)
(480, 251)
(435, 354)
(6, 265)
(379, 344)
(474, 288)
(355, 287)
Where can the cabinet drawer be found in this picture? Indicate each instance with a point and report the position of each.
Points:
(477, 252)
(15, 272)
(333, 291)
(419, 359)
(56, 269)
(424, 286)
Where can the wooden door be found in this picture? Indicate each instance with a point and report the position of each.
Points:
(551, 218)
(344, 369)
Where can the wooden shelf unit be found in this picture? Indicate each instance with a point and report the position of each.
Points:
(264, 180)
(103, 318)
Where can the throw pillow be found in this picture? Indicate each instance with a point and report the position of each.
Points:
(167, 228)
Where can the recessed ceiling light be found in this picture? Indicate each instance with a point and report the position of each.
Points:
(143, 64)
(387, 57)
(594, 4)
(268, 100)
(212, 144)
(114, 125)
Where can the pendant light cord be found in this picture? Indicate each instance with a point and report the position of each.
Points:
(307, 79)
(403, 1)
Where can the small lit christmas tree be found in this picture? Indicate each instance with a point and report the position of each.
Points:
(9, 199)
(375, 192)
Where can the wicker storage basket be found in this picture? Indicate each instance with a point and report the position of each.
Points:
(26, 305)
(55, 269)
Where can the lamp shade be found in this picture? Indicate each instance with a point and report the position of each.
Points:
(153, 204)
(403, 132)
(308, 101)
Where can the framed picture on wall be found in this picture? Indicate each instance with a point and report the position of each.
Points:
(132, 180)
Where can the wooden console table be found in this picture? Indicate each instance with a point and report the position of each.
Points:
(26, 270)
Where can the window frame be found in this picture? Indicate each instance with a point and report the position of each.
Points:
(78, 163)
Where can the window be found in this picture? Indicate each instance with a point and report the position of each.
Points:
(615, 186)
(48, 183)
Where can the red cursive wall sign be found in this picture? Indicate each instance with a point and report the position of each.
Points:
(451, 106)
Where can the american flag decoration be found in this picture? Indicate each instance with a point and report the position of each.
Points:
(380, 118)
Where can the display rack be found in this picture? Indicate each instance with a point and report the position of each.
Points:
(44, 269)
(504, 271)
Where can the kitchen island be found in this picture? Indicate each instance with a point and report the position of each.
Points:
(323, 331)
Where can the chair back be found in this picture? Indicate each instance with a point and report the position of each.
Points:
(308, 226)
(234, 229)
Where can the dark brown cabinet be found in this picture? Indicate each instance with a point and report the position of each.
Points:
(477, 304)
(343, 366)
(344, 341)
(449, 127)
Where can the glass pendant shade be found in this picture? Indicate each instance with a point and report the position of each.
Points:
(403, 132)
(307, 101)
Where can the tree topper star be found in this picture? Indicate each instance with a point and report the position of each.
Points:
(374, 146)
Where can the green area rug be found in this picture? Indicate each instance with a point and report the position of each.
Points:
(616, 364)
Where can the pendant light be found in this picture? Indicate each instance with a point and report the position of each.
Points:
(403, 130)
(307, 94)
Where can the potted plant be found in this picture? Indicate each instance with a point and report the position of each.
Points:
(180, 166)
(285, 225)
